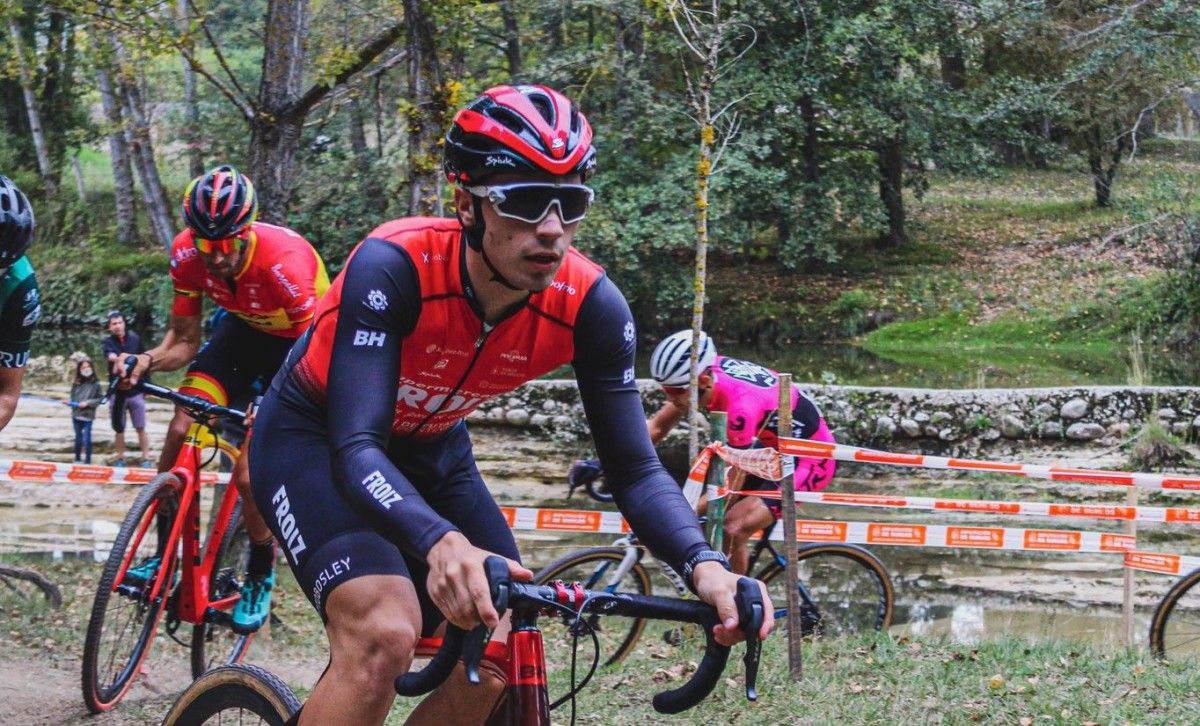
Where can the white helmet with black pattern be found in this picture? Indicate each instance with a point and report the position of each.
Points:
(670, 363)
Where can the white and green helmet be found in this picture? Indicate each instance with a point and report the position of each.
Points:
(671, 360)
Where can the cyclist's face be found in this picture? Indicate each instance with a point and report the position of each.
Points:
(527, 254)
(678, 395)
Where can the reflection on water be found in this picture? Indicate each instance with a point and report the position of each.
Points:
(87, 539)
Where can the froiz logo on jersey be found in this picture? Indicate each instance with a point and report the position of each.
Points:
(369, 338)
(377, 486)
(376, 300)
(286, 521)
(751, 373)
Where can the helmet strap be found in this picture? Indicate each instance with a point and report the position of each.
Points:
(474, 237)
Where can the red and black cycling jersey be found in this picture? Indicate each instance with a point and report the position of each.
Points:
(399, 351)
(275, 291)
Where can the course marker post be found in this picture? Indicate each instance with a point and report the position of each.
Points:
(1131, 499)
(787, 488)
(716, 478)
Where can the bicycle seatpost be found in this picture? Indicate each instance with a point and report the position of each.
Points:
(750, 619)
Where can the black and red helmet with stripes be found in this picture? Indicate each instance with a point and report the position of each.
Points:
(518, 129)
(219, 204)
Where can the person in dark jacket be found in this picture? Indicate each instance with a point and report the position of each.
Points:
(85, 397)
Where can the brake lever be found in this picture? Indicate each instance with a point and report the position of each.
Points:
(750, 619)
(472, 653)
(476, 641)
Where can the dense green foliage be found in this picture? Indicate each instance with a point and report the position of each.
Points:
(840, 114)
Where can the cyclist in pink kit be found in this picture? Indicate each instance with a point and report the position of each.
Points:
(749, 395)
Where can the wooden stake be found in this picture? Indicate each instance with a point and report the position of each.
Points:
(716, 473)
(787, 487)
(1127, 637)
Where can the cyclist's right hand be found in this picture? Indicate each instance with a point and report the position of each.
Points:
(718, 587)
(132, 368)
(458, 584)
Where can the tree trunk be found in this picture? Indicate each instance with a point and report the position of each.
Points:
(191, 112)
(275, 133)
(371, 187)
(25, 74)
(425, 92)
(512, 40)
(1104, 174)
(810, 148)
(890, 160)
(138, 134)
(118, 149)
(77, 171)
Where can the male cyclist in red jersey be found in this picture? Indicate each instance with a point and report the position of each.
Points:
(269, 279)
(362, 464)
(749, 394)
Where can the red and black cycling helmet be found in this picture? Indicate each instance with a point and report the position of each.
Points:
(219, 204)
(515, 129)
(16, 223)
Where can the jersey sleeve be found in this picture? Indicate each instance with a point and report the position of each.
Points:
(605, 341)
(380, 303)
(185, 277)
(20, 313)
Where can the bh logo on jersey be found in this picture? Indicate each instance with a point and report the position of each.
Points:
(751, 373)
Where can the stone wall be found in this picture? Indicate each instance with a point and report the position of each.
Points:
(909, 419)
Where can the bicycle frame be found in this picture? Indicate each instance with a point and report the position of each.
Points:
(191, 603)
(527, 702)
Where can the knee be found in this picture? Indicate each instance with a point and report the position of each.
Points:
(375, 651)
(179, 425)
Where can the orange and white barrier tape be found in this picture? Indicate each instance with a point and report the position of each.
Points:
(892, 534)
(1156, 515)
(49, 471)
(841, 452)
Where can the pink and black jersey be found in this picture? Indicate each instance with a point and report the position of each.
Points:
(749, 395)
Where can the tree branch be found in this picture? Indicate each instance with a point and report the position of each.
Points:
(217, 52)
(363, 58)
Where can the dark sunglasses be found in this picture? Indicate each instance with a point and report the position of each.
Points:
(531, 202)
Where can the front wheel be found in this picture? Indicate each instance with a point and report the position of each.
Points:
(234, 694)
(595, 569)
(126, 612)
(1175, 626)
(216, 644)
(844, 590)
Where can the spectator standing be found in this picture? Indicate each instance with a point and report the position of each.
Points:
(85, 397)
(122, 342)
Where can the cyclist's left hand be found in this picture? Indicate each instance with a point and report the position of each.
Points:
(718, 587)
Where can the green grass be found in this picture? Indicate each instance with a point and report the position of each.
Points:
(870, 680)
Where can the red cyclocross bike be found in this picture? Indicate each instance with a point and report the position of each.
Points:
(245, 694)
(158, 566)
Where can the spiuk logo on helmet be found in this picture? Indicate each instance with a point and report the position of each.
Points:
(522, 128)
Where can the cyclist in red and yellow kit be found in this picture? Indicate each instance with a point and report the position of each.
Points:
(269, 280)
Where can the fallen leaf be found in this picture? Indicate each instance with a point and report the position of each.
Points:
(996, 682)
